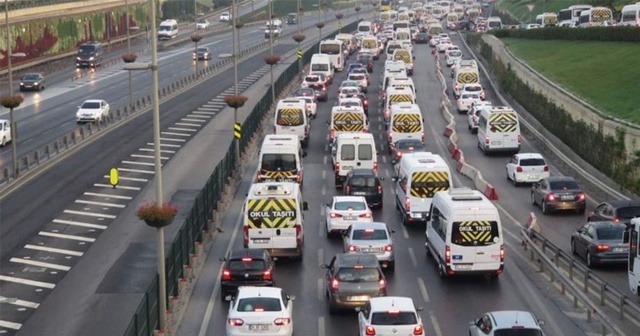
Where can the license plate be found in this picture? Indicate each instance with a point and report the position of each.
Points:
(370, 250)
(260, 241)
(259, 327)
(358, 298)
(347, 167)
(350, 218)
(359, 193)
(620, 249)
(566, 198)
(495, 143)
(463, 267)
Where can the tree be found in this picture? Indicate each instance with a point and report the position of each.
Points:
(222, 3)
(605, 3)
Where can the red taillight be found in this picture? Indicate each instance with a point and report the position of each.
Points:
(447, 254)
(226, 275)
(501, 253)
(332, 134)
(486, 140)
(382, 283)
(299, 178)
(379, 189)
(365, 215)
(282, 321)
(519, 169)
(369, 330)
(267, 275)
(386, 114)
(299, 234)
(407, 203)
(375, 167)
(390, 137)
(519, 138)
(335, 284)
(418, 330)
(234, 322)
(335, 215)
(422, 136)
(551, 197)
(246, 235)
(602, 248)
(616, 219)
(581, 197)
(546, 168)
(337, 167)
(388, 248)
(347, 190)
(353, 248)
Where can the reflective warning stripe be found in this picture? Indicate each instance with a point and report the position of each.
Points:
(400, 98)
(503, 122)
(468, 78)
(271, 213)
(280, 176)
(476, 231)
(348, 122)
(406, 123)
(426, 184)
(290, 117)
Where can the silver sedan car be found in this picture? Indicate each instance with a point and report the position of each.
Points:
(371, 238)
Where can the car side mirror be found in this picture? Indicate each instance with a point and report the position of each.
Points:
(229, 298)
(419, 308)
(223, 259)
(394, 161)
(541, 322)
(327, 122)
(324, 266)
(343, 232)
(304, 153)
(382, 178)
(392, 231)
(305, 206)
(291, 297)
(394, 179)
(358, 309)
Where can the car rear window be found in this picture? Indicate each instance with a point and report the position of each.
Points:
(311, 79)
(289, 117)
(473, 88)
(475, 233)
(361, 181)
(408, 144)
(610, 233)
(358, 274)
(369, 234)
(356, 77)
(518, 332)
(91, 105)
(246, 265)
(259, 304)
(532, 162)
(629, 212)
(393, 318)
(350, 205)
(563, 185)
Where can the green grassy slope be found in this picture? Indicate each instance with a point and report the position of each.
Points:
(518, 8)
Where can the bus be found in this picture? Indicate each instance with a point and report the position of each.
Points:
(547, 19)
(596, 16)
(569, 17)
(385, 5)
(630, 15)
(335, 50)
(634, 257)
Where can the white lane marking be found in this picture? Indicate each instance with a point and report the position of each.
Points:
(320, 256)
(27, 282)
(109, 205)
(147, 157)
(324, 174)
(434, 322)
(138, 163)
(205, 112)
(320, 289)
(324, 189)
(384, 159)
(102, 185)
(199, 117)
(193, 120)
(65, 236)
(321, 230)
(81, 224)
(172, 139)
(163, 145)
(108, 195)
(183, 129)
(324, 159)
(151, 172)
(322, 210)
(176, 134)
(18, 302)
(423, 290)
(54, 250)
(161, 151)
(188, 124)
(40, 264)
(412, 256)
(89, 214)
(10, 325)
(405, 233)
(124, 178)
(321, 326)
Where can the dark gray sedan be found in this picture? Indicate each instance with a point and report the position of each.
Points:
(601, 243)
(558, 193)
(32, 81)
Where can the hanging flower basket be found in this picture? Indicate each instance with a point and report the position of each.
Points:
(339, 16)
(358, 8)
(156, 215)
(299, 37)
(196, 38)
(239, 25)
(273, 16)
(320, 25)
(235, 101)
(11, 101)
(301, 8)
(272, 59)
(129, 58)
(374, 3)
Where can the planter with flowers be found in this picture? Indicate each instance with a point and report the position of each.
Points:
(129, 58)
(235, 101)
(11, 102)
(156, 215)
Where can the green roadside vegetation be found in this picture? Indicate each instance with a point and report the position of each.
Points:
(605, 74)
(519, 9)
(282, 7)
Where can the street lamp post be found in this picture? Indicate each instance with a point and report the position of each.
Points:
(8, 47)
(273, 93)
(126, 2)
(196, 38)
(236, 41)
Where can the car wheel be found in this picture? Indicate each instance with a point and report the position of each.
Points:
(223, 295)
(515, 183)
(533, 199)
(589, 259)
(508, 178)
(391, 266)
(545, 209)
(329, 234)
(582, 210)
(441, 271)
(332, 310)
(4, 142)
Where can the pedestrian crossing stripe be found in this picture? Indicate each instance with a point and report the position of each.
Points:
(426, 184)
(271, 213)
(406, 123)
(237, 130)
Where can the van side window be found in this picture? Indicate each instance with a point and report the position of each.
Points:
(483, 122)
(365, 152)
(402, 181)
(348, 153)
(439, 223)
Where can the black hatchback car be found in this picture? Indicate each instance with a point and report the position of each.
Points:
(422, 37)
(558, 193)
(32, 81)
(320, 91)
(616, 211)
(246, 267)
(364, 182)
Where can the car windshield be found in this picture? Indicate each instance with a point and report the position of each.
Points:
(532, 162)
(610, 233)
(350, 205)
(393, 318)
(88, 50)
(203, 50)
(363, 181)
(90, 105)
(304, 92)
(259, 304)
(518, 332)
(202, 21)
(246, 264)
(358, 275)
(563, 185)
(31, 77)
(416, 145)
(455, 53)
(356, 77)
(369, 234)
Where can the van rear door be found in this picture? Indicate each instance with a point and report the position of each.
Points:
(290, 121)
(503, 129)
(476, 246)
(424, 185)
(272, 223)
(366, 154)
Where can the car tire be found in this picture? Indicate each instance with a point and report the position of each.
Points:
(4, 141)
(545, 209)
(533, 199)
(223, 296)
(515, 183)
(391, 266)
(329, 233)
(332, 309)
(582, 210)
(589, 260)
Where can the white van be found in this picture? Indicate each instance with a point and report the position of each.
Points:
(494, 22)
(273, 28)
(168, 29)
(335, 50)
(499, 130)
(353, 150)
(396, 95)
(406, 56)
(419, 176)
(291, 119)
(273, 219)
(464, 234)
(321, 63)
(345, 119)
(280, 159)
(365, 27)
(406, 122)
(370, 44)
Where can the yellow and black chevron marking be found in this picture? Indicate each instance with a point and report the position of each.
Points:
(348, 122)
(406, 123)
(279, 176)
(503, 122)
(290, 117)
(271, 213)
(426, 184)
(299, 54)
(403, 56)
(369, 44)
(468, 78)
(600, 15)
(400, 98)
(237, 130)
(476, 231)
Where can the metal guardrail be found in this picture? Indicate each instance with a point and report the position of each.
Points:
(583, 284)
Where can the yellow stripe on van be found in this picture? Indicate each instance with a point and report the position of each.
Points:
(426, 184)
(468, 78)
(475, 231)
(290, 117)
(280, 175)
(348, 122)
(503, 122)
(271, 213)
(406, 123)
(400, 98)
(600, 15)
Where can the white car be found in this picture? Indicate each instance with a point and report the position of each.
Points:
(452, 56)
(5, 132)
(202, 24)
(466, 100)
(507, 322)
(361, 79)
(443, 45)
(532, 26)
(527, 168)
(371, 238)
(473, 88)
(259, 311)
(434, 41)
(473, 115)
(92, 110)
(310, 79)
(344, 211)
(390, 315)
(348, 92)
(311, 106)
(225, 17)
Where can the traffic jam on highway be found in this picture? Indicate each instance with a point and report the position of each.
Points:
(462, 228)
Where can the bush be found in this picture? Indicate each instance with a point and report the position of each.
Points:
(606, 34)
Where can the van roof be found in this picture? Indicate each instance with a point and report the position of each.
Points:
(280, 138)
(290, 102)
(465, 199)
(405, 107)
(355, 135)
(500, 109)
(421, 160)
(170, 21)
(271, 189)
(345, 109)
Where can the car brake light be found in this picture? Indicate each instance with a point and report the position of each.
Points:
(602, 248)
(615, 219)
(299, 177)
(299, 234)
(551, 197)
(246, 235)
(246, 259)
(353, 248)
(407, 204)
(347, 189)
(390, 137)
(226, 275)
(335, 283)
(388, 248)
(447, 254)
(379, 189)
(546, 168)
(375, 167)
(581, 197)
(418, 330)
(332, 134)
(337, 167)
(486, 139)
(382, 283)
(335, 215)
(501, 253)
(519, 169)
(267, 275)
(365, 215)
(235, 322)
(519, 138)
(282, 321)
(369, 330)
